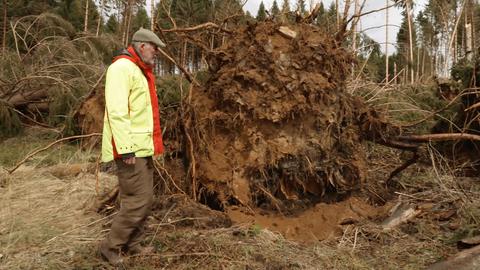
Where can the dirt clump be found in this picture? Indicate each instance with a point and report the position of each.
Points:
(274, 125)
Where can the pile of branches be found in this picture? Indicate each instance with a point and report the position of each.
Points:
(47, 71)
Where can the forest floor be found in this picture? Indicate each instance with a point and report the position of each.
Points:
(48, 219)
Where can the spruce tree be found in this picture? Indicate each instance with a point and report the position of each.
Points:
(301, 7)
(112, 25)
(141, 19)
(261, 14)
(275, 11)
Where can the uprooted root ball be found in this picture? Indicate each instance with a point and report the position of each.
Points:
(274, 122)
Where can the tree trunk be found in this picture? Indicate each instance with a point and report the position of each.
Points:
(409, 18)
(100, 17)
(386, 43)
(85, 28)
(417, 76)
(395, 72)
(128, 22)
(4, 36)
(152, 15)
(124, 20)
(451, 46)
(423, 62)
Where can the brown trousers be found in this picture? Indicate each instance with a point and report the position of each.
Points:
(136, 197)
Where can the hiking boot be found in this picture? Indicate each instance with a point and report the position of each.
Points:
(139, 250)
(113, 256)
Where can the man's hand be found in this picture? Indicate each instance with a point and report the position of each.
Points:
(129, 161)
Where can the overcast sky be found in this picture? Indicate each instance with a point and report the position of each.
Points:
(373, 24)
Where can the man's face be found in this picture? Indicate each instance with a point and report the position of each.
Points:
(148, 52)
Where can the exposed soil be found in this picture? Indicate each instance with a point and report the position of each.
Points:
(321, 222)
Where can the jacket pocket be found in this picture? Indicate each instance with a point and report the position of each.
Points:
(143, 140)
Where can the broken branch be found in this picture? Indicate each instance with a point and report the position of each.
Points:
(10, 171)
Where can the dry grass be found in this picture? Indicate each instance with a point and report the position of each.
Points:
(47, 222)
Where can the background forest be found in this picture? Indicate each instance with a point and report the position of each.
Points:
(62, 47)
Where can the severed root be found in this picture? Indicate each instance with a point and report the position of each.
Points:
(439, 137)
(403, 167)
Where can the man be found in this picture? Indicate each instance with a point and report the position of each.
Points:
(131, 137)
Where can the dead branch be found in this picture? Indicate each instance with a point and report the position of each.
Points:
(35, 121)
(202, 26)
(10, 171)
(342, 33)
(159, 167)
(313, 14)
(187, 74)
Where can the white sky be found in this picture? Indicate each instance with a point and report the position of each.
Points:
(374, 24)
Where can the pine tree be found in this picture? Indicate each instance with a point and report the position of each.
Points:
(275, 11)
(301, 7)
(74, 12)
(261, 14)
(141, 19)
(112, 25)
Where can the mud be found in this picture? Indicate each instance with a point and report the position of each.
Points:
(321, 222)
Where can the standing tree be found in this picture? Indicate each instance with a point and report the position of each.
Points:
(85, 27)
(275, 11)
(112, 25)
(75, 12)
(4, 35)
(100, 18)
(301, 7)
(285, 17)
(407, 5)
(141, 19)
(261, 14)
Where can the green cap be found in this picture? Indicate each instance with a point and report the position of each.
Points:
(145, 35)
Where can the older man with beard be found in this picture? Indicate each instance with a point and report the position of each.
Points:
(131, 137)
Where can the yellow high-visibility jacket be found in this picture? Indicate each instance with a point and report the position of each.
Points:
(128, 126)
